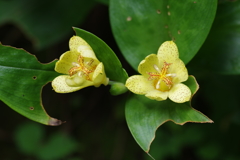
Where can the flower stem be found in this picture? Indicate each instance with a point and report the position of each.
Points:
(117, 88)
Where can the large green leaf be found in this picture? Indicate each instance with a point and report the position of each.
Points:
(140, 27)
(22, 78)
(221, 52)
(104, 53)
(31, 141)
(45, 22)
(144, 115)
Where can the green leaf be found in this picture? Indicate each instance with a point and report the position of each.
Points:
(192, 84)
(31, 140)
(144, 115)
(22, 78)
(45, 22)
(221, 52)
(104, 53)
(58, 147)
(140, 27)
(28, 137)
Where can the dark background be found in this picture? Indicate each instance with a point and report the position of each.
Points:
(95, 127)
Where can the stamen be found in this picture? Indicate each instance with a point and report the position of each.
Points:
(171, 75)
(168, 82)
(75, 64)
(73, 70)
(81, 60)
(153, 75)
(90, 62)
(82, 68)
(158, 84)
(156, 68)
(162, 75)
(80, 74)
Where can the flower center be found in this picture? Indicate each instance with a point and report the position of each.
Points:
(83, 68)
(162, 80)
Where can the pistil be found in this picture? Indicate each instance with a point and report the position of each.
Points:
(82, 68)
(162, 79)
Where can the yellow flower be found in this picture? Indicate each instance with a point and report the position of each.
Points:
(80, 66)
(162, 75)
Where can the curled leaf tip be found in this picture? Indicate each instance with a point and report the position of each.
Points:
(54, 122)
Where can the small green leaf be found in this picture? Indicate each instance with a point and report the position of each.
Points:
(140, 27)
(117, 88)
(28, 137)
(192, 84)
(58, 147)
(104, 53)
(22, 78)
(144, 115)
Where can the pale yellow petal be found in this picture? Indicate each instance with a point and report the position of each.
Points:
(99, 76)
(148, 65)
(168, 52)
(180, 70)
(60, 86)
(77, 44)
(66, 62)
(86, 51)
(138, 84)
(180, 93)
(77, 81)
(157, 95)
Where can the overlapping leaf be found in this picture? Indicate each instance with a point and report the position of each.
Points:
(104, 53)
(140, 27)
(144, 116)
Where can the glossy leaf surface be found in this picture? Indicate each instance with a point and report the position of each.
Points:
(144, 115)
(140, 27)
(104, 53)
(22, 78)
